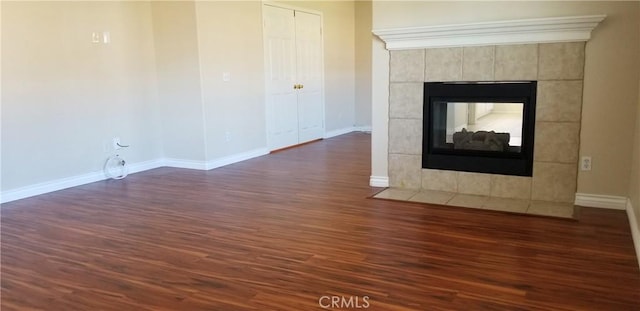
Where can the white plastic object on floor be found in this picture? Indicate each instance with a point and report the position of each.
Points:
(116, 167)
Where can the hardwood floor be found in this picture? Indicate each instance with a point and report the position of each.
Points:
(281, 231)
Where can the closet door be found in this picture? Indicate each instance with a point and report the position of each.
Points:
(309, 76)
(293, 59)
(280, 60)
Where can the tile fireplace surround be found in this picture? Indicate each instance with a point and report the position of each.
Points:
(559, 69)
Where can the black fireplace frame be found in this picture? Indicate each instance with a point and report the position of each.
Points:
(506, 163)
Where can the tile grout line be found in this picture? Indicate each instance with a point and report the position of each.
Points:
(455, 194)
(413, 195)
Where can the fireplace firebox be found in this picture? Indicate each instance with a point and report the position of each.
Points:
(484, 127)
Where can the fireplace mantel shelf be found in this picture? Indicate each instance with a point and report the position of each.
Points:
(523, 31)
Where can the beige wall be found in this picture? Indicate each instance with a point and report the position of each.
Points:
(1, 96)
(634, 185)
(158, 85)
(179, 86)
(230, 40)
(363, 41)
(611, 74)
(65, 97)
(339, 59)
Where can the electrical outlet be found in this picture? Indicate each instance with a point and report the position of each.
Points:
(585, 163)
(106, 37)
(227, 136)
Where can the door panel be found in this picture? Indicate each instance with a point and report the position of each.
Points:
(309, 74)
(282, 102)
(310, 116)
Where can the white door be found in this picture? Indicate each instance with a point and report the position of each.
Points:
(280, 59)
(293, 59)
(309, 75)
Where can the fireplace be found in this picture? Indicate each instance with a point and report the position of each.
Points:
(551, 52)
(483, 127)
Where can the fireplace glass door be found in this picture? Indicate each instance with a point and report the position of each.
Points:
(479, 126)
(485, 127)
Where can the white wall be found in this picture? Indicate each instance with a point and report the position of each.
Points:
(379, 112)
(611, 75)
(507, 108)
(65, 97)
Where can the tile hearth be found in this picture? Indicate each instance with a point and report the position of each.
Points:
(520, 206)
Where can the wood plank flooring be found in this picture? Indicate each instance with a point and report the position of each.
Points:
(281, 231)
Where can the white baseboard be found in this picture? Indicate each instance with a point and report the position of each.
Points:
(339, 132)
(68, 182)
(145, 166)
(601, 201)
(188, 164)
(635, 230)
(46, 187)
(78, 180)
(347, 130)
(379, 181)
(239, 157)
(618, 203)
(366, 129)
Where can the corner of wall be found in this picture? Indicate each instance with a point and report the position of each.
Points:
(634, 182)
(635, 228)
(379, 109)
